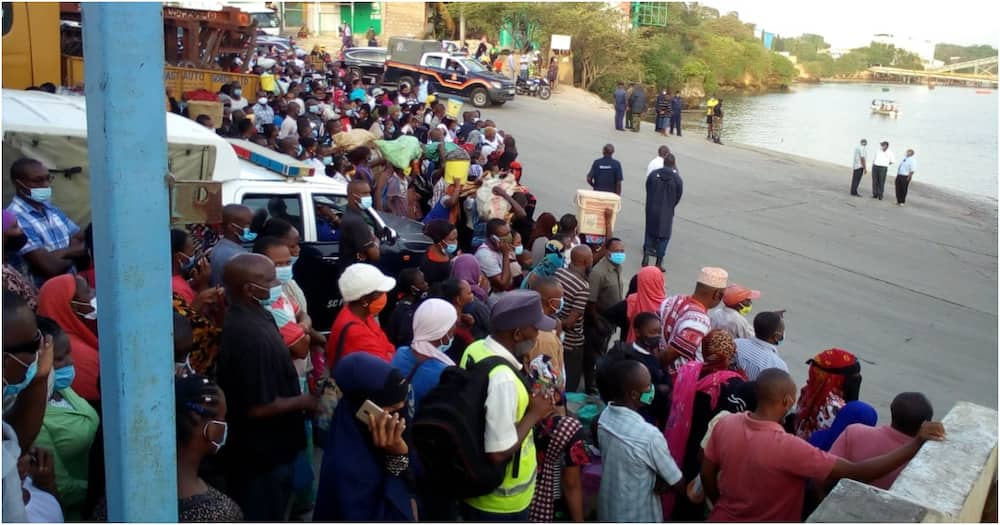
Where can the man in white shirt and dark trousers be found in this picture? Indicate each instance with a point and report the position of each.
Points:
(880, 166)
(657, 162)
(860, 166)
(907, 167)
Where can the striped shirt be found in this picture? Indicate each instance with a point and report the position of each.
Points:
(49, 229)
(685, 324)
(756, 355)
(576, 291)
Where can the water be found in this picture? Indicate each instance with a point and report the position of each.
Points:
(952, 130)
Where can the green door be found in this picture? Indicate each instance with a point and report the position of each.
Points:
(365, 15)
(293, 15)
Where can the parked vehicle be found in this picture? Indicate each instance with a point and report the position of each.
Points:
(366, 62)
(535, 87)
(53, 129)
(456, 75)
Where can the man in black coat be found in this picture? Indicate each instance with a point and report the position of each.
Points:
(621, 100)
(663, 192)
(637, 106)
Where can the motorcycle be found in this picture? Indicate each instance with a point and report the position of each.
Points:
(536, 87)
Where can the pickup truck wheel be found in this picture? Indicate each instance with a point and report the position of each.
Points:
(408, 81)
(479, 97)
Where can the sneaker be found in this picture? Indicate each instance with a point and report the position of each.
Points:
(900, 204)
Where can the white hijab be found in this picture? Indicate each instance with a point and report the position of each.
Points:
(432, 321)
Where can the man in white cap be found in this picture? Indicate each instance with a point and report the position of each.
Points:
(730, 315)
(685, 318)
(511, 410)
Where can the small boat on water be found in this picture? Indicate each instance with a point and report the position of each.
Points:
(984, 91)
(885, 107)
(885, 90)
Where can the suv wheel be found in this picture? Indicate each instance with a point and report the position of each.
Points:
(479, 97)
(408, 81)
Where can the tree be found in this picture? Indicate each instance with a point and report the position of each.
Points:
(782, 71)
(946, 52)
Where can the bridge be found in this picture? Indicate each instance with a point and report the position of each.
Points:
(946, 74)
(984, 65)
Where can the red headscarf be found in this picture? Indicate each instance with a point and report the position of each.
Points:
(650, 294)
(827, 373)
(54, 302)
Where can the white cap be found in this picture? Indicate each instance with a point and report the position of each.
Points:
(714, 277)
(361, 279)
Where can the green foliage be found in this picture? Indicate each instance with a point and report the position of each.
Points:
(783, 71)
(945, 52)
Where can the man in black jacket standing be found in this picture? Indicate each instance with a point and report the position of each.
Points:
(663, 193)
(637, 106)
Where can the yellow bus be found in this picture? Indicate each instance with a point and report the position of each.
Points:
(31, 44)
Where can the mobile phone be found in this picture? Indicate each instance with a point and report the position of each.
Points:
(367, 408)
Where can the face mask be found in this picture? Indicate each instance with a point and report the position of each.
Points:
(189, 265)
(284, 273)
(248, 236)
(524, 347)
(518, 250)
(294, 259)
(452, 248)
(650, 343)
(562, 303)
(746, 310)
(262, 101)
(63, 377)
(10, 392)
(188, 369)
(420, 293)
(446, 346)
(299, 151)
(366, 202)
(281, 316)
(646, 397)
(327, 160)
(273, 294)
(778, 342)
(40, 194)
(91, 315)
(225, 434)
(617, 258)
(375, 307)
(237, 92)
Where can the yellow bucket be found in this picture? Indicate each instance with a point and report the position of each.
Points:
(454, 108)
(456, 170)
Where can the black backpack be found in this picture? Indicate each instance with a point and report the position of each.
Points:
(449, 432)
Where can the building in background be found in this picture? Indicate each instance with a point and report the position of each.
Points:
(922, 48)
(323, 19)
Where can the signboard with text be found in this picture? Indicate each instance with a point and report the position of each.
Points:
(560, 42)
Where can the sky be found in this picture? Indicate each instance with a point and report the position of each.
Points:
(851, 23)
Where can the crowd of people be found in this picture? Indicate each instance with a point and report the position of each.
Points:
(507, 316)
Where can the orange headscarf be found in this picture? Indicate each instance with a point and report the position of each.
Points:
(54, 302)
(828, 372)
(649, 296)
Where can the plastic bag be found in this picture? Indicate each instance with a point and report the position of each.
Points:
(492, 206)
(400, 152)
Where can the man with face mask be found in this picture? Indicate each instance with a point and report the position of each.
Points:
(638, 466)
(27, 382)
(53, 239)
(262, 114)
(576, 285)
(550, 341)
(730, 314)
(760, 351)
(290, 125)
(265, 405)
(663, 112)
(236, 220)
(511, 412)
(770, 488)
(606, 290)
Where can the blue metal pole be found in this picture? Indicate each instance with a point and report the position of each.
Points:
(127, 145)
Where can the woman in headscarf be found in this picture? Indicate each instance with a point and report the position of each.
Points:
(13, 280)
(72, 304)
(195, 301)
(466, 268)
(553, 260)
(458, 294)
(650, 294)
(437, 261)
(433, 334)
(368, 478)
(834, 380)
(698, 391)
(545, 227)
(854, 412)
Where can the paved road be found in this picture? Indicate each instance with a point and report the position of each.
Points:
(912, 291)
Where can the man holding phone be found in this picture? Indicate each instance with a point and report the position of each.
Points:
(494, 255)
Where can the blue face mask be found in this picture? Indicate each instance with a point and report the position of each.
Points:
(284, 273)
(518, 250)
(366, 202)
(273, 294)
(452, 248)
(10, 392)
(617, 258)
(248, 236)
(562, 304)
(646, 397)
(39, 194)
(294, 259)
(327, 160)
(447, 346)
(280, 315)
(64, 377)
(189, 265)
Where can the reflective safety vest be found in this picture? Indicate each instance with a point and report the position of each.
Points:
(515, 492)
(710, 105)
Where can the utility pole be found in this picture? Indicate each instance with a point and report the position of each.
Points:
(461, 24)
(123, 43)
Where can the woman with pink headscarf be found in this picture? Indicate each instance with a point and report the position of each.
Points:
(649, 295)
(423, 361)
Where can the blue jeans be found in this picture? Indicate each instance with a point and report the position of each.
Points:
(656, 246)
(473, 515)
(661, 122)
(619, 118)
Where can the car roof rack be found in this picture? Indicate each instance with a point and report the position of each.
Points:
(273, 161)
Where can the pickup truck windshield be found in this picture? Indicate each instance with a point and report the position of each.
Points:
(472, 65)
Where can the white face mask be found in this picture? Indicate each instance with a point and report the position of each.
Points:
(92, 315)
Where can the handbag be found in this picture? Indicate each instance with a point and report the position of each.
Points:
(329, 394)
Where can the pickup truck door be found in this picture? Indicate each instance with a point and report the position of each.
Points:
(450, 79)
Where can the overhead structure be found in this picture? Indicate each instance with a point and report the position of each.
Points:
(646, 14)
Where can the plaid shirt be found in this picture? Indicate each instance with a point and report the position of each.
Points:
(50, 229)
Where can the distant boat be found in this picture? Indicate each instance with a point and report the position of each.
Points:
(984, 91)
(885, 107)
(885, 90)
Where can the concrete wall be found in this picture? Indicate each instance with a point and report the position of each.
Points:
(949, 481)
(403, 19)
